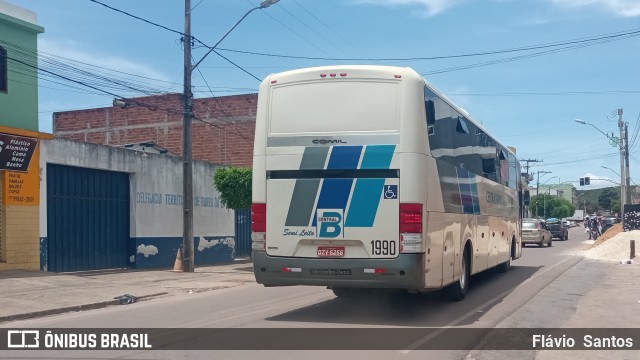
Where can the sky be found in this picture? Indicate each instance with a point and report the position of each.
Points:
(525, 69)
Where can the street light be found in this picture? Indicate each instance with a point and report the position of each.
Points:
(263, 5)
(622, 143)
(608, 168)
(187, 116)
(544, 198)
(610, 137)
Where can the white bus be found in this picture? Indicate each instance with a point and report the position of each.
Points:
(366, 177)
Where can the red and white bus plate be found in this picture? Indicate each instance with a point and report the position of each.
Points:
(330, 251)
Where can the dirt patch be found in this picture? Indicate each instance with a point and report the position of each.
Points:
(613, 231)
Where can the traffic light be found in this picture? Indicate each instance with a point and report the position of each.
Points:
(587, 181)
(581, 181)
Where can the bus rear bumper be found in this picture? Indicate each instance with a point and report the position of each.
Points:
(404, 272)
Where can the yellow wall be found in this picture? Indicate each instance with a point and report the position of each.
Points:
(22, 231)
(20, 202)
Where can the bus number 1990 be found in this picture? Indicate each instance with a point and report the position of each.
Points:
(383, 247)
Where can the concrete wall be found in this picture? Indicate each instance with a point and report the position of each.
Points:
(222, 134)
(156, 202)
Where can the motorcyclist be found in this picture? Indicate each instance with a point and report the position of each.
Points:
(594, 231)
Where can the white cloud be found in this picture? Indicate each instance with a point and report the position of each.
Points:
(431, 7)
(625, 8)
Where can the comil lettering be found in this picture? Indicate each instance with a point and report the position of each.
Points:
(328, 141)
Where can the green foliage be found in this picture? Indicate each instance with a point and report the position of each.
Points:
(548, 206)
(616, 205)
(234, 185)
(607, 196)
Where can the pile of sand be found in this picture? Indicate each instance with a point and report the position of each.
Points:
(614, 244)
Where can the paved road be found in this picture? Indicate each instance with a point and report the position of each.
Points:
(493, 300)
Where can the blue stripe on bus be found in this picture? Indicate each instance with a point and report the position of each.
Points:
(364, 202)
(377, 156)
(333, 195)
(366, 193)
(344, 157)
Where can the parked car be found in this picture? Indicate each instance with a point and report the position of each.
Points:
(558, 229)
(535, 231)
(608, 222)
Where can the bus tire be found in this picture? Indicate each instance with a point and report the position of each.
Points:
(505, 266)
(458, 290)
(346, 293)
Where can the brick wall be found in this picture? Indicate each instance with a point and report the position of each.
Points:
(222, 132)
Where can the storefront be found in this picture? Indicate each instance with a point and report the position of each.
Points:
(20, 193)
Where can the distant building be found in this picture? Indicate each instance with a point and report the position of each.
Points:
(565, 191)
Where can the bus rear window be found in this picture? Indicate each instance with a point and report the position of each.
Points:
(331, 106)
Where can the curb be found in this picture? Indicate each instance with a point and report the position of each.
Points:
(75, 308)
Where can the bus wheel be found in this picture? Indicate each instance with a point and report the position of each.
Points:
(458, 290)
(505, 266)
(346, 292)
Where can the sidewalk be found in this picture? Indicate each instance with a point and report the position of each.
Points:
(27, 294)
(612, 299)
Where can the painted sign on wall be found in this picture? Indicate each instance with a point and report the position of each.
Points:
(22, 188)
(16, 152)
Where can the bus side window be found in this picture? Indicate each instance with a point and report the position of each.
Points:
(430, 110)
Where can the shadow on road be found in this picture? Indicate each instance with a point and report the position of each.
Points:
(486, 290)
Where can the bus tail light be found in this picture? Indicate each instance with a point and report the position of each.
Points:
(258, 226)
(411, 228)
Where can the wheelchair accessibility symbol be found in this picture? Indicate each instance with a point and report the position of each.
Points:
(391, 191)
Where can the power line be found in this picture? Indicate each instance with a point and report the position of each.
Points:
(139, 18)
(327, 26)
(596, 38)
(222, 110)
(292, 31)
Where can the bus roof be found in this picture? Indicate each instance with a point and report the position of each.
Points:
(372, 71)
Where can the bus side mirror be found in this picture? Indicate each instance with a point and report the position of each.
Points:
(526, 198)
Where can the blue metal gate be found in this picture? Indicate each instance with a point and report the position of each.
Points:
(243, 232)
(87, 219)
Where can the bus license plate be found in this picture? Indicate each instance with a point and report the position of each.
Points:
(330, 251)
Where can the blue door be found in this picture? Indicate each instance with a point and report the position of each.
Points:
(243, 232)
(87, 219)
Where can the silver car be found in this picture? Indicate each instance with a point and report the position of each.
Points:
(535, 231)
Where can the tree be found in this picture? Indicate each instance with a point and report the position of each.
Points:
(555, 207)
(607, 197)
(234, 185)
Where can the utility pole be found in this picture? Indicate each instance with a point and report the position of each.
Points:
(623, 185)
(187, 168)
(187, 115)
(627, 179)
(527, 166)
(538, 188)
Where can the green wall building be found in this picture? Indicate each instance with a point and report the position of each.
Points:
(18, 67)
